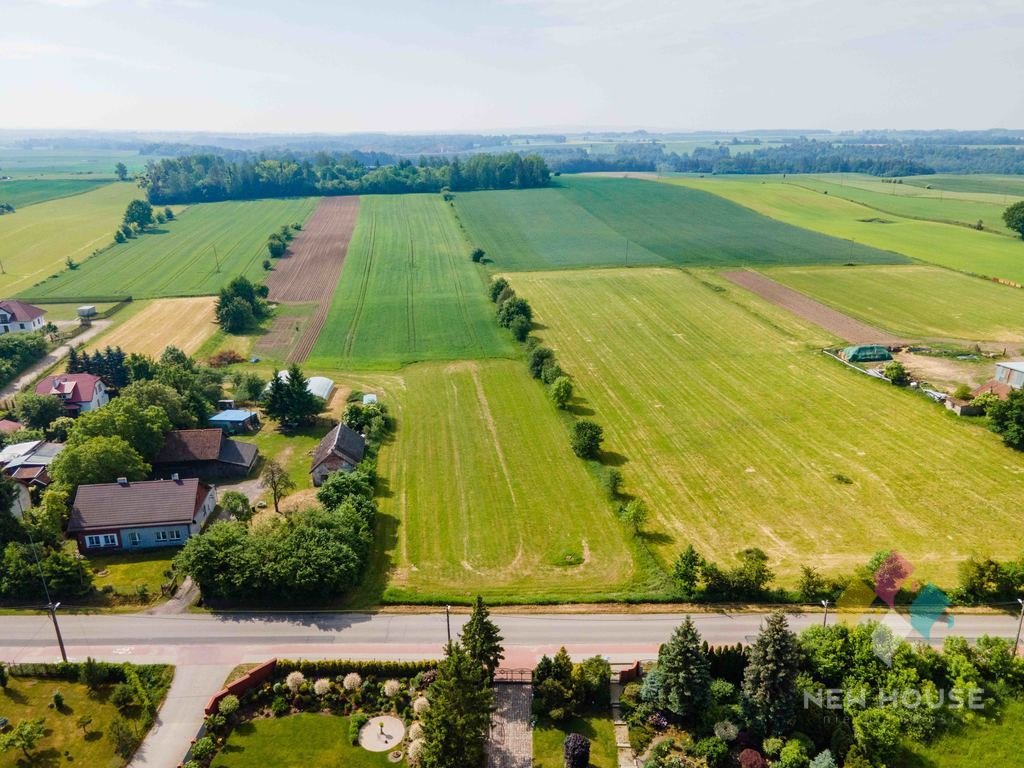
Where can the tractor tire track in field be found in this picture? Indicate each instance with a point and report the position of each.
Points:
(410, 290)
(460, 291)
(836, 323)
(364, 284)
(311, 270)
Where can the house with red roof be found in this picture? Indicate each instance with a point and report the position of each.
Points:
(80, 392)
(19, 317)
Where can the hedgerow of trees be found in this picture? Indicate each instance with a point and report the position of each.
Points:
(18, 351)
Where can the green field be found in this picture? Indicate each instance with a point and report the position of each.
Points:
(408, 292)
(982, 253)
(177, 258)
(587, 221)
(24, 163)
(994, 742)
(915, 300)
(735, 429)
(485, 496)
(35, 241)
(1012, 186)
(296, 741)
(22, 193)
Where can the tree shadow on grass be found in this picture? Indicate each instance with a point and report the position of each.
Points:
(612, 459)
(655, 537)
(45, 758)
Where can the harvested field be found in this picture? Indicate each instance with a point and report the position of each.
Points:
(310, 270)
(836, 323)
(288, 331)
(183, 323)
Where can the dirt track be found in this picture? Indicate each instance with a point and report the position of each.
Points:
(310, 270)
(836, 323)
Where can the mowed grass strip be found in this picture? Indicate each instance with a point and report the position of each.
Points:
(980, 253)
(408, 292)
(36, 241)
(487, 497)
(203, 249)
(914, 300)
(738, 433)
(21, 193)
(182, 323)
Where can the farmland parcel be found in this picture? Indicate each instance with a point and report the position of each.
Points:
(182, 323)
(738, 433)
(29, 192)
(204, 248)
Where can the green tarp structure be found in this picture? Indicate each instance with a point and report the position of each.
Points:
(868, 353)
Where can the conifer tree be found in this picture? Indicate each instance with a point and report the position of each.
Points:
(685, 672)
(456, 725)
(769, 683)
(482, 640)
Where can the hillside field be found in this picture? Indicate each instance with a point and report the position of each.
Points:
(960, 248)
(408, 292)
(738, 433)
(1012, 186)
(587, 221)
(22, 193)
(177, 258)
(915, 300)
(68, 163)
(485, 496)
(36, 241)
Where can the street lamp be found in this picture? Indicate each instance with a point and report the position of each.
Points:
(1019, 625)
(824, 621)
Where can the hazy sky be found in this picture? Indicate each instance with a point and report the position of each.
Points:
(413, 65)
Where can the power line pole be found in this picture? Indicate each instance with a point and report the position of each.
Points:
(824, 621)
(448, 621)
(1019, 625)
(216, 257)
(51, 607)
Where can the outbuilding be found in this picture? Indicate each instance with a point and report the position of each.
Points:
(340, 451)
(235, 421)
(865, 353)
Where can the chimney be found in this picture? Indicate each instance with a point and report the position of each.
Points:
(123, 482)
(175, 477)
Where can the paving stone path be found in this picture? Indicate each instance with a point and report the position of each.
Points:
(511, 742)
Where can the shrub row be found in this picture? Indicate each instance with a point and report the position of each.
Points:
(336, 667)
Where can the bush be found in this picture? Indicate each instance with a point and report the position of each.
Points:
(203, 749)
(751, 758)
(294, 681)
(586, 439)
(392, 688)
(576, 750)
(355, 725)
(538, 360)
(123, 737)
(352, 681)
(279, 707)
(496, 287)
(57, 699)
(713, 750)
(322, 687)
(897, 374)
(421, 706)
(228, 705)
(122, 696)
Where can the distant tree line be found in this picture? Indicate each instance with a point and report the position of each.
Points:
(211, 177)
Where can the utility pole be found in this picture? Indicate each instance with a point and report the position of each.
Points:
(1019, 625)
(824, 621)
(216, 257)
(448, 621)
(51, 607)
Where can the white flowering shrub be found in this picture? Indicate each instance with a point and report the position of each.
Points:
(726, 731)
(392, 688)
(415, 732)
(415, 752)
(421, 706)
(294, 681)
(322, 687)
(352, 681)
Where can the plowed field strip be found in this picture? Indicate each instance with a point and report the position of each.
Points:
(310, 272)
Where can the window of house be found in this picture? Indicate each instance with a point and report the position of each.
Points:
(176, 535)
(134, 538)
(100, 541)
(161, 535)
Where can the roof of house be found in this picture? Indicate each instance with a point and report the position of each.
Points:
(41, 455)
(9, 427)
(185, 445)
(344, 442)
(153, 502)
(30, 475)
(997, 388)
(20, 311)
(75, 387)
(232, 415)
(1015, 365)
(17, 450)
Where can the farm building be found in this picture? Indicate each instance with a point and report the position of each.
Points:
(204, 453)
(80, 392)
(1010, 374)
(19, 317)
(143, 515)
(26, 464)
(320, 386)
(341, 450)
(234, 421)
(865, 353)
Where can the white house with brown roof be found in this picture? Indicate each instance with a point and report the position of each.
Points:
(80, 392)
(340, 451)
(19, 317)
(140, 515)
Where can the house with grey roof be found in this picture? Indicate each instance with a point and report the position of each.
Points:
(341, 450)
(204, 453)
(140, 515)
(27, 464)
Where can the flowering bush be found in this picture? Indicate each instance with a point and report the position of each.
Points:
(322, 686)
(421, 706)
(294, 681)
(415, 752)
(415, 732)
(352, 681)
(392, 688)
(657, 721)
(726, 731)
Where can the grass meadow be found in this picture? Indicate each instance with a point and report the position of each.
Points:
(29, 192)
(587, 221)
(994, 742)
(178, 258)
(36, 241)
(914, 300)
(960, 248)
(68, 163)
(484, 495)
(1008, 186)
(738, 433)
(408, 292)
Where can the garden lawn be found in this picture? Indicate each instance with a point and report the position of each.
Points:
(36, 241)
(28, 192)
(549, 738)
(408, 291)
(127, 571)
(993, 742)
(29, 697)
(594, 221)
(481, 493)
(915, 300)
(203, 249)
(981, 253)
(738, 433)
(296, 741)
(69, 312)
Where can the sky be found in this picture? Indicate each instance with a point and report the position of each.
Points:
(294, 66)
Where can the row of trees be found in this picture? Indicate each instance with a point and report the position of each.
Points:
(277, 243)
(210, 177)
(18, 351)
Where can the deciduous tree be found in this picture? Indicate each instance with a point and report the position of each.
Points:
(586, 439)
(1014, 217)
(276, 480)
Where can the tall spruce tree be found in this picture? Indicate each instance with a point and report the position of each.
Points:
(769, 683)
(685, 672)
(456, 725)
(482, 640)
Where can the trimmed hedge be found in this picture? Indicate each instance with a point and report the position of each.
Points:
(335, 667)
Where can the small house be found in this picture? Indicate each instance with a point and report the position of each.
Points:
(204, 453)
(27, 465)
(341, 450)
(80, 392)
(19, 317)
(235, 421)
(139, 515)
(865, 353)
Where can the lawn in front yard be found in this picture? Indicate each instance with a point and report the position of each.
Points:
(994, 742)
(296, 741)
(127, 572)
(548, 739)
